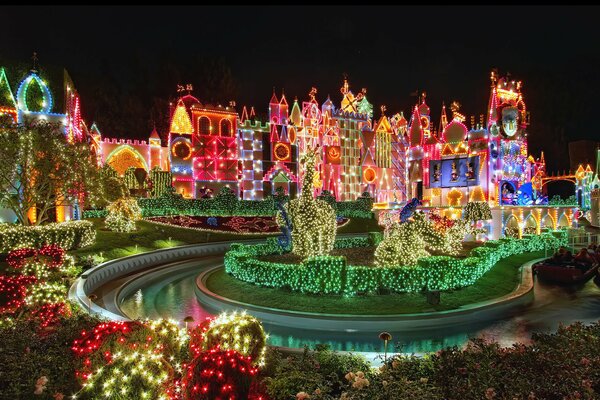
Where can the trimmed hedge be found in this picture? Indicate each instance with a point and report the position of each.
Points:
(68, 235)
(331, 275)
(95, 213)
(224, 205)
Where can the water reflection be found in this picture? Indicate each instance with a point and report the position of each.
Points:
(174, 298)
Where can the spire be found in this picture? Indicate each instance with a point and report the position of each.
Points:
(283, 101)
(6, 96)
(416, 133)
(154, 134)
(252, 112)
(244, 116)
(443, 119)
(274, 98)
(35, 63)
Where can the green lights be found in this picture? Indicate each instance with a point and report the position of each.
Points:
(331, 275)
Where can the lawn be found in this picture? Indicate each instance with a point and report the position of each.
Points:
(499, 281)
(150, 236)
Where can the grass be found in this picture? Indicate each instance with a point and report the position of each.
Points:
(499, 281)
(151, 236)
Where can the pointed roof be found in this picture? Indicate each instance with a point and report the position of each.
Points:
(415, 133)
(283, 101)
(492, 114)
(6, 95)
(154, 134)
(383, 124)
(252, 112)
(274, 98)
(181, 123)
(94, 129)
(424, 108)
(244, 116)
(443, 118)
(296, 114)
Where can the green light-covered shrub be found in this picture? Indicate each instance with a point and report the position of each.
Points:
(68, 235)
(327, 274)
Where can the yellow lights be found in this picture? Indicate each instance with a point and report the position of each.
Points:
(477, 194)
(181, 122)
(454, 197)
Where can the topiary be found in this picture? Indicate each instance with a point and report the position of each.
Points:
(122, 215)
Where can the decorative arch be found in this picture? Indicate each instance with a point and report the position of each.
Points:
(531, 225)
(34, 79)
(204, 125)
(125, 156)
(225, 127)
(548, 222)
(512, 227)
(563, 221)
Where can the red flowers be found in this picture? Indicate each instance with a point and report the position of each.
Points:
(53, 255)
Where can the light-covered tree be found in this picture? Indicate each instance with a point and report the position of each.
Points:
(313, 220)
(407, 242)
(40, 169)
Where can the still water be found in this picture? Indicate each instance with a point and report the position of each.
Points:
(173, 297)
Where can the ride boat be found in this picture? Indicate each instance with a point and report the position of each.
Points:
(567, 270)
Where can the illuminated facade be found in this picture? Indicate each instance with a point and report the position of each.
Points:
(32, 100)
(392, 158)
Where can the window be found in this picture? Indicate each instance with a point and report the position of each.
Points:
(204, 126)
(225, 128)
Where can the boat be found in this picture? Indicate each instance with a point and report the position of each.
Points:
(565, 272)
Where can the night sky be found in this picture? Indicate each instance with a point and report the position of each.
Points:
(446, 51)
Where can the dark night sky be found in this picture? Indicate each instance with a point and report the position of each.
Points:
(446, 51)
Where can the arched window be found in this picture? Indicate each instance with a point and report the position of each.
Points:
(511, 227)
(225, 128)
(204, 126)
(548, 222)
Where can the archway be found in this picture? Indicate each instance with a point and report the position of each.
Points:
(124, 157)
(563, 221)
(548, 222)
(511, 227)
(531, 225)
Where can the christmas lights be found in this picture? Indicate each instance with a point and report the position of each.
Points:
(68, 235)
(122, 215)
(313, 219)
(332, 275)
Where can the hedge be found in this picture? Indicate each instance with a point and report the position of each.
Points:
(170, 204)
(331, 275)
(68, 235)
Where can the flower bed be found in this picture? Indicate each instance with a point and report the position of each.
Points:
(241, 225)
(68, 235)
(331, 275)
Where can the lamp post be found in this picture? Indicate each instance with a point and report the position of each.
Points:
(187, 319)
(386, 337)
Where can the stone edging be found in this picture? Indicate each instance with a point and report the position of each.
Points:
(488, 309)
(103, 273)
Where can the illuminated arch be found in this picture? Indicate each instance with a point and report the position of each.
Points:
(225, 127)
(24, 87)
(204, 125)
(512, 228)
(124, 157)
(531, 225)
(563, 221)
(548, 222)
